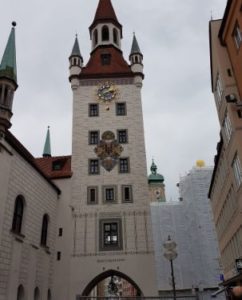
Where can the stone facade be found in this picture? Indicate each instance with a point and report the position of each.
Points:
(23, 261)
(226, 185)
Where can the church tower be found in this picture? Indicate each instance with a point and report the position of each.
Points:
(110, 198)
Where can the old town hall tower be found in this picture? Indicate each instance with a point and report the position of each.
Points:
(110, 199)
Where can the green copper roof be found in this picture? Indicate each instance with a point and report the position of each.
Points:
(8, 67)
(76, 49)
(47, 150)
(135, 46)
(154, 176)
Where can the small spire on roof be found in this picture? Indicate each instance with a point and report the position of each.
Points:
(47, 148)
(76, 49)
(8, 66)
(135, 46)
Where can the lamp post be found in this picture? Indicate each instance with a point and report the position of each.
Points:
(170, 254)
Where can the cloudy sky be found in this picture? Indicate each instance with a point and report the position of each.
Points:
(179, 113)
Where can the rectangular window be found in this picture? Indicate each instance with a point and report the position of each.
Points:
(106, 59)
(93, 110)
(93, 166)
(237, 36)
(122, 136)
(60, 231)
(227, 128)
(58, 255)
(109, 194)
(236, 165)
(127, 195)
(123, 165)
(92, 195)
(121, 109)
(110, 235)
(218, 90)
(93, 137)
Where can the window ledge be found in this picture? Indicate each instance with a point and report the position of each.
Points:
(19, 237)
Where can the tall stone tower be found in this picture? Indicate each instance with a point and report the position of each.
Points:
(110, 198)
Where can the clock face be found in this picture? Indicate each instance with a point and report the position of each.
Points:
(107, 92)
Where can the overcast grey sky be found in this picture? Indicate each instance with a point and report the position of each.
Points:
(179, 113)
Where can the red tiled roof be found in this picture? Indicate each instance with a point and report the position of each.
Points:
(46, 165)
(11, 139)
(95, 68)
(105, 13)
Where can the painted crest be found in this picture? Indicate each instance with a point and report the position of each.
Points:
(108, 151)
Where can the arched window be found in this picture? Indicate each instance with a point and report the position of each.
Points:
(20, 294)
(18, 215)
(95, 37)
(44, 231)
(105, 33)
(36, 294)
(115, 36)
(49, 295)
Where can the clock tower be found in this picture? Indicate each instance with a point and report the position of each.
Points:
(110, 198)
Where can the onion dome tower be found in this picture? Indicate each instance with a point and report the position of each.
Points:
(8, 81)
(156, 185)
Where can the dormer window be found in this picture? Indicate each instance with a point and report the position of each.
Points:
(115, 36)
(105, 33)
(106, 59)
(57, 165)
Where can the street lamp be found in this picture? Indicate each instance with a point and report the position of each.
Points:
(170, 254)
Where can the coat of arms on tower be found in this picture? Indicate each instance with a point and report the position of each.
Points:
(108, 150)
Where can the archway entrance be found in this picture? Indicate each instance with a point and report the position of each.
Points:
(112, 283)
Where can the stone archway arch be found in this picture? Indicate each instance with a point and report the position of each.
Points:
(105, 275)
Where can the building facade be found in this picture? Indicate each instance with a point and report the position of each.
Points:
(67, 223)
(225, 189)
(190, 224)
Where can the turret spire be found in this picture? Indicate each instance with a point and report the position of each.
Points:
(8, 81)
(8, 67)
(76, 49)
(135, 46)
(47, 148)
(105, 14)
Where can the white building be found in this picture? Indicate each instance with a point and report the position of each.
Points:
(189, 223)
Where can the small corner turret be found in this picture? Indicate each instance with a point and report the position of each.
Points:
(76, 60)
(8, 81)
(136, 60)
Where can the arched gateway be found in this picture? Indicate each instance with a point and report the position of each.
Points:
(109, 274)
(110, 198)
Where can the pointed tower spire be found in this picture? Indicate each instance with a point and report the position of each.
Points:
(76, 59)
(8, 67)
(105, 14)
(47, 150)
(136, 60)
(8, 81)
(135, 46)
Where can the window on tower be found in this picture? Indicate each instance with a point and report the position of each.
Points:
(93, 137)
(105, 33)
(110, 235)
(123, 165)
(122, 136)
(18, 215)
(95, 37)
(121, 109)
(237, 34)
(106, 59)
(127, 195)
(92, 195)
(93, 166)
(93, 110)
(115, 36)
(109, 194)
